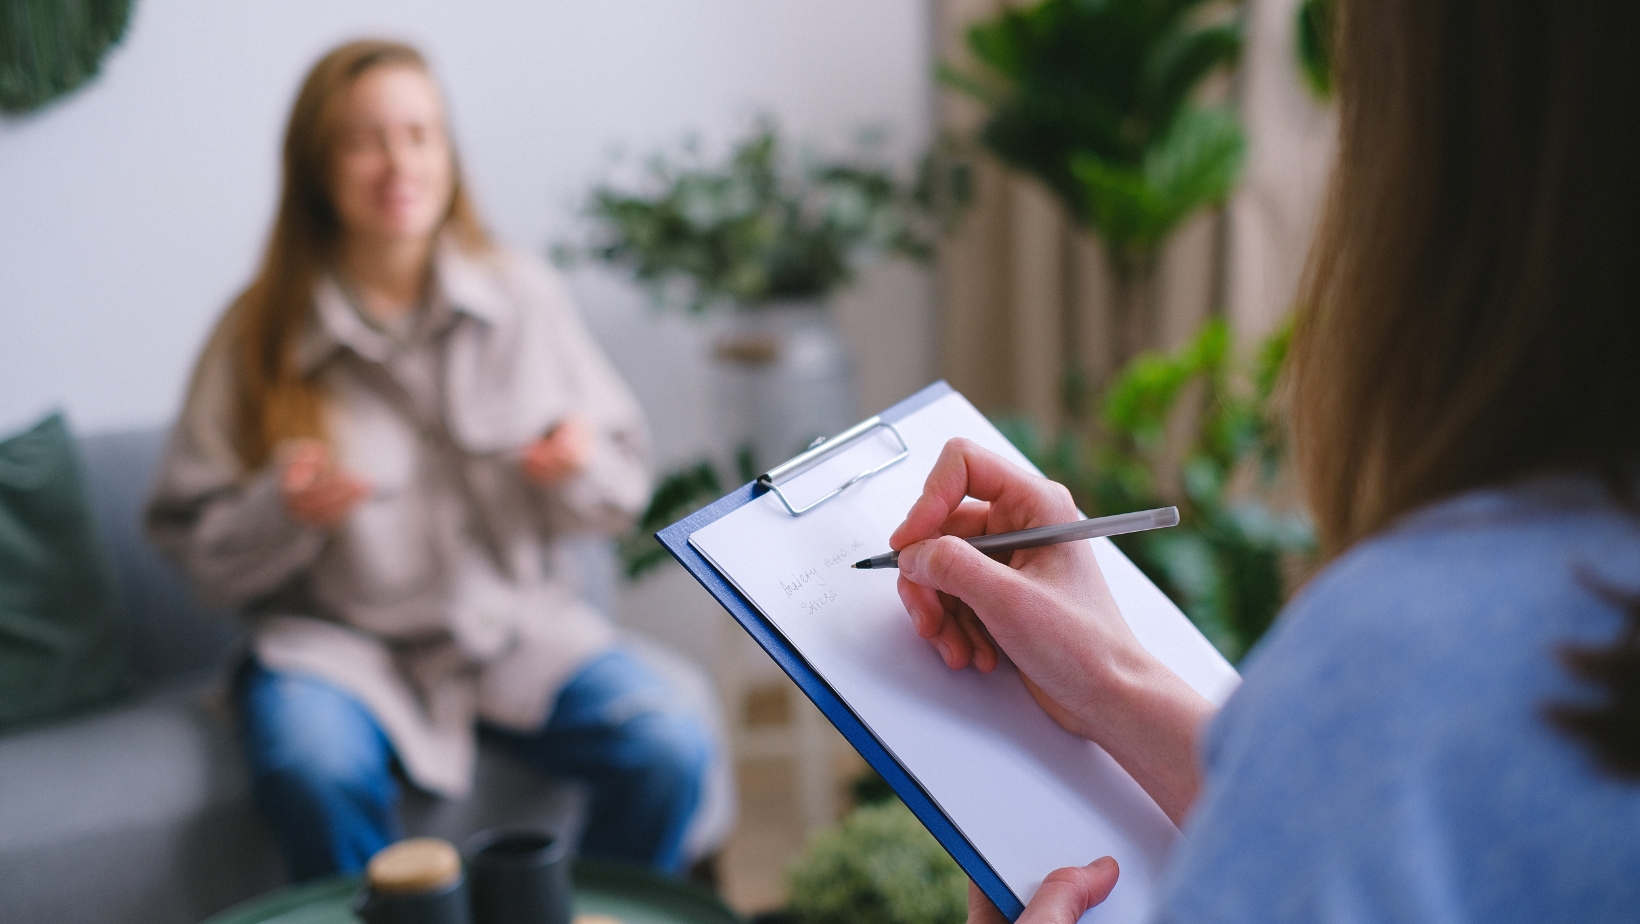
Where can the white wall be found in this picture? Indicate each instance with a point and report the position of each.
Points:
(131, 211)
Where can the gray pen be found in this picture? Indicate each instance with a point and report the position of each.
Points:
(1138, 521)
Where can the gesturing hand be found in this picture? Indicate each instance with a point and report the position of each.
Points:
(561, 454)
(316, 492)
(1064, 895)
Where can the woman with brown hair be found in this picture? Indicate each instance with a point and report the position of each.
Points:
(1444, 725)
(384, 436)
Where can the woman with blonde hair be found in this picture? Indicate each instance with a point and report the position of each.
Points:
(383, 437)
(1444, 724)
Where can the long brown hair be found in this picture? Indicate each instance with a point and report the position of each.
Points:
(274, 400)
(1473, 299)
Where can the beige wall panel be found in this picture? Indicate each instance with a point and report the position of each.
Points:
(1291, 135)
(973, 292)
(1184, 281)
(1036, 277)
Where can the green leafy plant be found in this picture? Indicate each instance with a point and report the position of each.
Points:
(1094, 99)
(50, 47)
(879, 866)
(680, 493)
(759, 227)
(1227, 562)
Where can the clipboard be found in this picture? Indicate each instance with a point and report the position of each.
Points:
(879, 754)
(676, 540)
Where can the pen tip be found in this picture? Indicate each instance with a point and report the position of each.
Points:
(862, 563)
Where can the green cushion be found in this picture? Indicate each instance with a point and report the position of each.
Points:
(62, 643)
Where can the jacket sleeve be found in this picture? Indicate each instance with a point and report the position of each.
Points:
(609, 495)
(227, 528)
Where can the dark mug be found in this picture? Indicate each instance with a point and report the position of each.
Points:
(416, 881)
(519, 876)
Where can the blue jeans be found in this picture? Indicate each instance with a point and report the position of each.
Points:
(322, 769)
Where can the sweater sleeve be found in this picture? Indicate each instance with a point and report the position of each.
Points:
(227, 527)
(613, 489)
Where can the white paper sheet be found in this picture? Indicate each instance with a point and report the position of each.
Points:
(1028, 795)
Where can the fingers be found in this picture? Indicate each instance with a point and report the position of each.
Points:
(549, 467)
(955, 646)
(968, 520)
(950, 626)
(316, 492)
(561, 453)
(305, 462)
(573, 439)
(329, 500)
(982, 647)
(1069, 892)
(980, 909)
(951, 565)
(924, 604)
(966, 469)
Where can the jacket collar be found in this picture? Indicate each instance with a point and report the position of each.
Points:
(463, 284)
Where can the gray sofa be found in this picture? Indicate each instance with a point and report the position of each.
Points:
(139, 813)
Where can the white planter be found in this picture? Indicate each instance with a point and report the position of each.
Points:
(782, 376)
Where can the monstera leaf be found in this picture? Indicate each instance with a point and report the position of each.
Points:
(49, 47)
(1135, 207)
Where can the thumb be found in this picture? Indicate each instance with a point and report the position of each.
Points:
(951, 565)
(1068, 892)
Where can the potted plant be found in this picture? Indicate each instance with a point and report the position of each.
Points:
(878, 866)
(1097, 99)
(768, 238)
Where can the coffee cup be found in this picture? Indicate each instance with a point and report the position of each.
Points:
(519, 876)
(415, 881)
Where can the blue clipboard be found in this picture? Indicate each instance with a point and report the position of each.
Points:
(676, 540)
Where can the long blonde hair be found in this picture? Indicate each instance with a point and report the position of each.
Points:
(260, 330)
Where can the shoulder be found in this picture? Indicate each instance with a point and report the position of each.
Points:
(1467, 591)
(1452, 617)
(1389, 731)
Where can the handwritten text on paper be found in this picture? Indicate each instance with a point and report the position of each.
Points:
(810, 586)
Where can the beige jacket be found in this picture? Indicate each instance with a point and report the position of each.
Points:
(435, 601)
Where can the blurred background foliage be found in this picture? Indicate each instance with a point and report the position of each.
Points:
(1316, 22)
(679, 494)
(764, 225)
(1098, 99)
(50, 47)
(878, 866)
(1194, 428)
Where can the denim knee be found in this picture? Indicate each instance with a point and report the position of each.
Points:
(669, 750)
(307, 739)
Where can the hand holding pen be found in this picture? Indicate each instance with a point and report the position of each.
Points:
(1049, 609)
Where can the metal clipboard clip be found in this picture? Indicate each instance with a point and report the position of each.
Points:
(819, 451)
